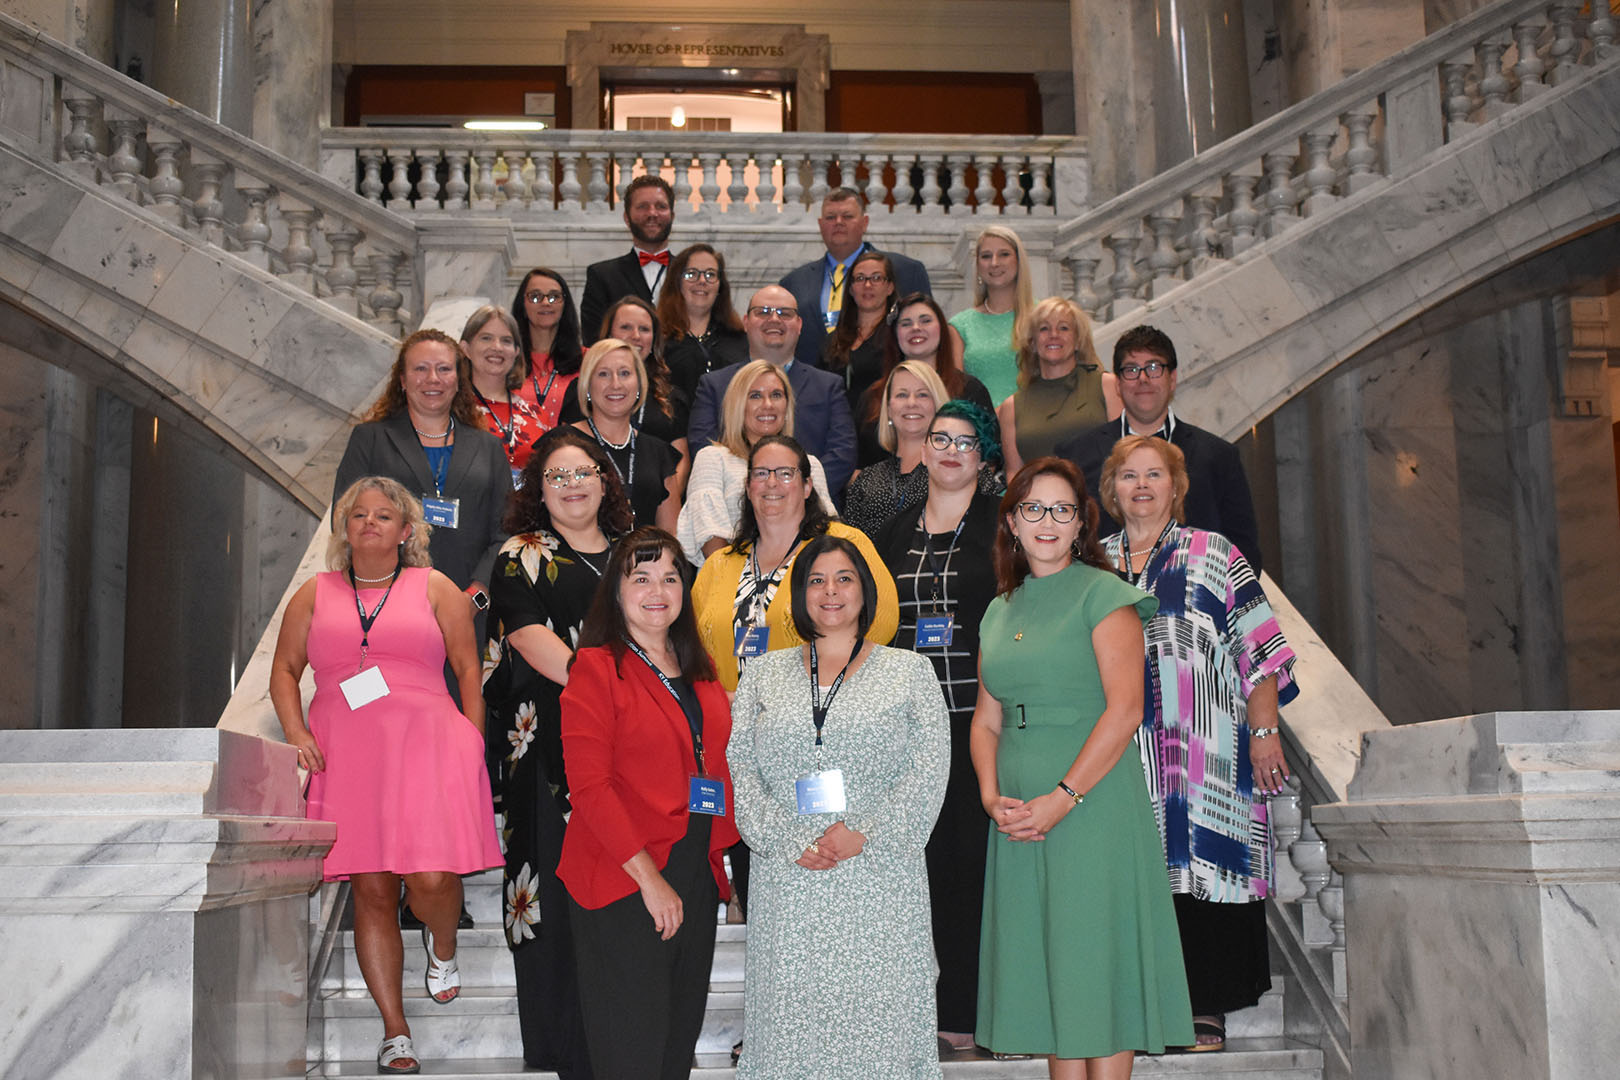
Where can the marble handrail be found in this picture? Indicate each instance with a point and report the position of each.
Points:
(552, 172)
(219, 185)
(1375, 124)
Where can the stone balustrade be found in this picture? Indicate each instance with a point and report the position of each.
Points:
(558, 173)
(222, 187)
(1376, 124)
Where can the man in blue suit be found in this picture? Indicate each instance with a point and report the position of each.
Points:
(821, 420)
(819, 286)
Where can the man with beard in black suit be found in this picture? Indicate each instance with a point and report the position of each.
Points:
(649, 211)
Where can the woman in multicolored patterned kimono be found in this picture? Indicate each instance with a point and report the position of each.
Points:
(563, 521)
(1218, 666)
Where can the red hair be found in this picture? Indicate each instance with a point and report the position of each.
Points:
(1011, 565)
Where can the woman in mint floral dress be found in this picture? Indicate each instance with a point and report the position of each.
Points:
(563, 521)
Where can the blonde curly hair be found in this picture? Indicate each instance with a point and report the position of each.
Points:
(413, 552)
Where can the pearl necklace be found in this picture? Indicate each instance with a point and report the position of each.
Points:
(374, 580)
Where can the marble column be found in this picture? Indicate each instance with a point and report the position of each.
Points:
(1482, 897)
(292, 76)
(1325, 41)
(22, 447)
(109, 563)
(67, 526)
(203, 57)
(1200, 76)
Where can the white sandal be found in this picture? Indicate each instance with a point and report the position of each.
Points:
(443, 977)
(398, 1048)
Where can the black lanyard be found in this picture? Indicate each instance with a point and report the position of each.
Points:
(441, 468)
(819, 708)
(936, 571)
(509, 429)
(367, 621)
(761, 584)
(695, 725)
(1153, 552)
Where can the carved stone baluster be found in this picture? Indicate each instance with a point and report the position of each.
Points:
(682, 164)
(570, 189)
(819, 165)
(253, 234)
(1565, 49)
(1125, 279)
(1601, 31)
(427, 179)
(1280, 194)
(1493, 84)
(792, 183)
(341, 276)
(1459, 102)
(652, 162)
(166, 187)
(517, 185)
(299, 254)
(709, 187)
(1309, 855)
(206, 205)
(542, 185)
(958, 191)
(1286, 818)
(1360, 156)
(1242, 219)
(984, 191)
(596, 188)
(1040, 191)
(1012, 187)
(385, 299)
(903, 191)
(737, 189)
(1163, 261)
(877, 192)
(484, 186)
(371, 185)
(455, 184)
(1082, 264)
(1331, 899)
(1200, 245)
(1528, 67)
(79, 142)
(765, 189)
(1320, 174)
(124, 163)
(399, 185)
(931, 191)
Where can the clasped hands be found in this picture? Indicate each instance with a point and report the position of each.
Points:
(1028, 821)
(826, 851)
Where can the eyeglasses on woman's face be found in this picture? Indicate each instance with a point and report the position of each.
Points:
(944, 440)
(1153, 369)
(870, 279)
(692, 273)
(1062, 513)
(537, 298)
(785, 474)
(566, 478)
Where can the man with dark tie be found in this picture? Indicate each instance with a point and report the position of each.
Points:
(1218, 496)
(649, 211)
(819, 286)
(821, 419)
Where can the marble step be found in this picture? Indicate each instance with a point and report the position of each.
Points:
(1248, 1059)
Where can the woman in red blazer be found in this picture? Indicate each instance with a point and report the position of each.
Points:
(644, 733)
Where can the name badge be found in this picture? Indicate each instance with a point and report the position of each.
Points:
(933, 631)
(706, 795)
(364, 688)
(751, 641)
(517, 478)
(821, 792)
(441, 513)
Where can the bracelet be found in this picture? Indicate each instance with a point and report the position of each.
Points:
(1071, 793)
(1262, 732)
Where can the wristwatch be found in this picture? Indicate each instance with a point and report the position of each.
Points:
(480, 599)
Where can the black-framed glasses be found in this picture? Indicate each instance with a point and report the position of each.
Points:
(1062, 513)
(1153, 369)
(762, 311)
(785, 473)
(870, 279)
(944, 440)
(547, 298)
(567, 478)
(694, 274)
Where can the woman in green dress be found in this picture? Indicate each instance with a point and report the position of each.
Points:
(1062, 388)
(1003, 293)
(1080, 958)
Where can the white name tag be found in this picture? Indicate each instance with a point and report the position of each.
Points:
(820, 793)
(364, 688)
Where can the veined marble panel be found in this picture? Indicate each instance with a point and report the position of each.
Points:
(37, 206)
(246, 315)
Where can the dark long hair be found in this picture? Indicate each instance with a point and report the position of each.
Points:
(805, 562)
(526, 510)
(842, 342)
(1011, 565)
(605, 625)
(566, 349)
(672, 302)
(946, 362)
(463, 407)
(815, 519)
(657, 369)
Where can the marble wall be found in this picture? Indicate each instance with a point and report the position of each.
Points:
(22, 448)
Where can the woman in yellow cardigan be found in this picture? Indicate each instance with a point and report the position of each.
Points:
(742, 597)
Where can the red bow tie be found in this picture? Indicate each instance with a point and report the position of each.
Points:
(647, 257)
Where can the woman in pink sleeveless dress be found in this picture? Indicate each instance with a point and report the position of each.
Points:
(395, 764)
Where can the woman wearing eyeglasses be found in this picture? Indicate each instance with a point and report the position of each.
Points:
(938, 552)
(702, 329)
(854, 349)
(918, 332)
(549, 343)
(1062, 389)
(1080, 958)
(563, 520)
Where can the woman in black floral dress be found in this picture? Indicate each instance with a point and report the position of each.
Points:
(563, 521)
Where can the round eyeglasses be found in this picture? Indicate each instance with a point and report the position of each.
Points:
(692, 274)
(941, 440)
(1062, 513)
